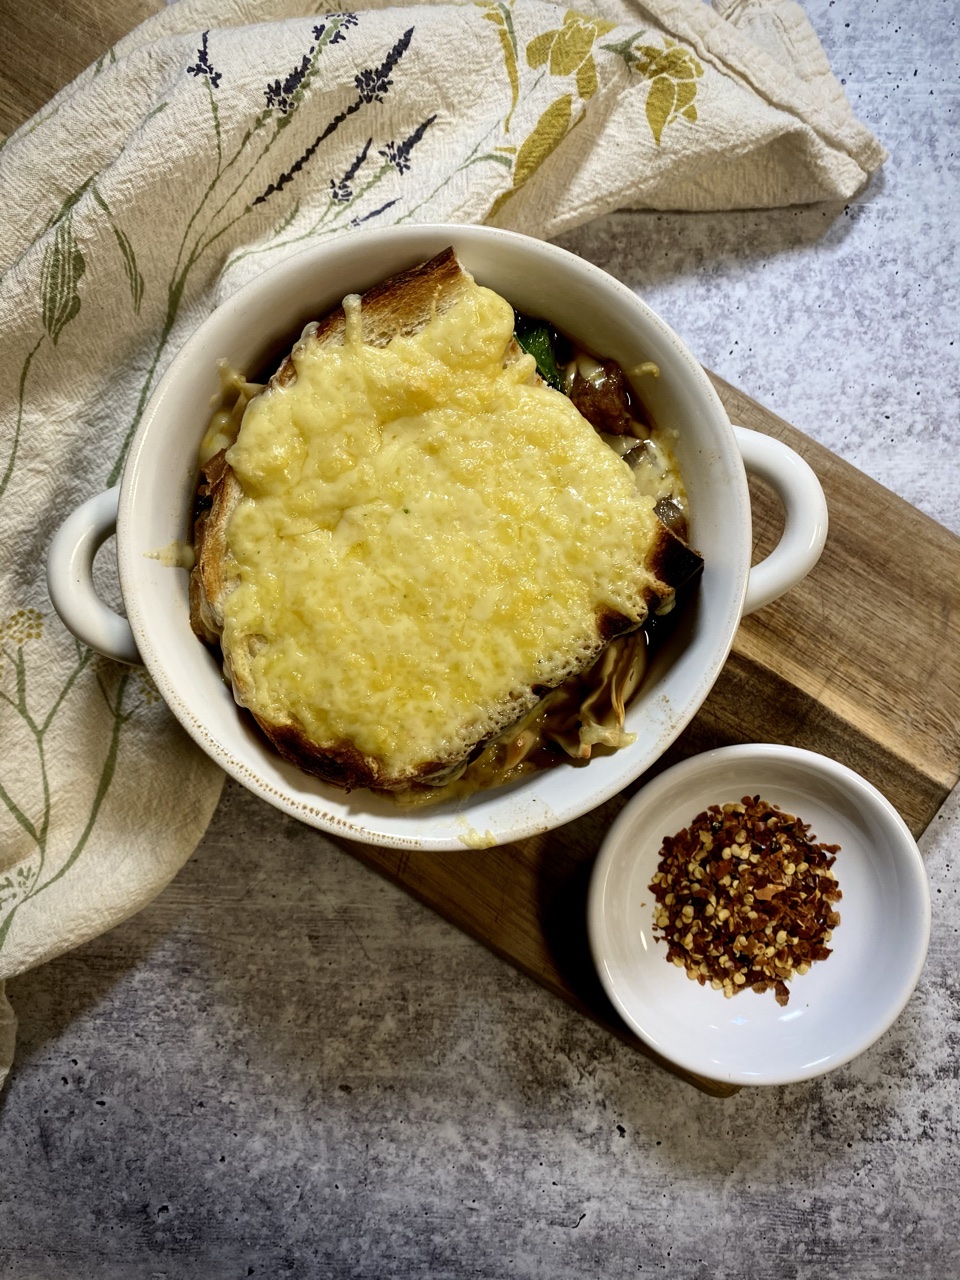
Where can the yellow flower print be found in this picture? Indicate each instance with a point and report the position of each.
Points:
(673, 73)
(569, 49)
(18, 628)
(24, 625)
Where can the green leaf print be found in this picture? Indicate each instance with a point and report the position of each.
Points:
(70, 203)
(63, 265)
(500, 16)
(15, 445)
(32, 876)
(134, 276)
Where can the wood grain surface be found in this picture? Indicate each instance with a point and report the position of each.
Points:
(47, 43)
(860, 662)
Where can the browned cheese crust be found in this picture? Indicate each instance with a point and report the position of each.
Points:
(400, 305)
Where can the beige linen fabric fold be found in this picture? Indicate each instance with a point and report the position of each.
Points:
(220, 137)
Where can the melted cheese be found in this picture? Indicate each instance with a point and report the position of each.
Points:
(175, 555)
(426, 533)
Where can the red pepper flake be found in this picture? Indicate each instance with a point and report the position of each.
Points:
(745, 898)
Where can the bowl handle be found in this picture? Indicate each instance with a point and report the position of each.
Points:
(805, 509)
(70, 579)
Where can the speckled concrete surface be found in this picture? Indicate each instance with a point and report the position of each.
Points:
(287, 1067)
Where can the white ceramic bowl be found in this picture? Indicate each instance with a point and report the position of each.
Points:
(154, 503)
(837, 1009)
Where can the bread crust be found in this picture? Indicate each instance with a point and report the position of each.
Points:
(401, 305)
(218, 493)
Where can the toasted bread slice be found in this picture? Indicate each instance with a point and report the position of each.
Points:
(411, 541)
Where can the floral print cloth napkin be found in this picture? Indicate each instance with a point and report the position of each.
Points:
(220, 137)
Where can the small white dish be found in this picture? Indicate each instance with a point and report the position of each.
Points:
(837, 1009)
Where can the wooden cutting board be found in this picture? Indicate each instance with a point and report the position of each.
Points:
(861, 662)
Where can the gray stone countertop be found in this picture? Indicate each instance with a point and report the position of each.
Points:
(285, 1066)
